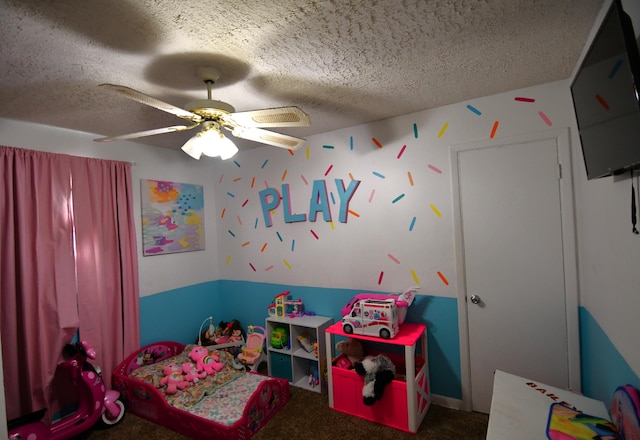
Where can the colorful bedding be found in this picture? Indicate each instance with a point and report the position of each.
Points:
(195, 391)
(228, 405)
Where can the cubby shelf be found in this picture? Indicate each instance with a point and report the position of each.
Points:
(293, 362)
(406, 401)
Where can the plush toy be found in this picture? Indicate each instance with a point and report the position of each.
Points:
(205, 362)
(378, 371)
(353, 352)
(191, 373)
(173, 379)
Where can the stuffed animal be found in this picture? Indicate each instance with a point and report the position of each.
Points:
(353, 352)
(378, 371)
(191, 373)
(173, 379)
(205, 362)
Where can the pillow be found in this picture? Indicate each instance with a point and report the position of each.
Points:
(566, 423)
(625, 412)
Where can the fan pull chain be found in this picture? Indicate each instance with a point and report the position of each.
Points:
(633, 205)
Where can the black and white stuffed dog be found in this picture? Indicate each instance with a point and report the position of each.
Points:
(378, 371)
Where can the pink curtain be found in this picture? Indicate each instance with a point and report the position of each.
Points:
(50, 203)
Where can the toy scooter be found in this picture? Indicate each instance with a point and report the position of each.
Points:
(94, 402)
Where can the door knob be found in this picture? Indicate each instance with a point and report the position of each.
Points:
(475, 299)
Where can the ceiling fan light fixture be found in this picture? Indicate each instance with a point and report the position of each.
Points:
(210, 142)
(194, 146)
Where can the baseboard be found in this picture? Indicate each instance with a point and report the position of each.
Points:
(447, 402)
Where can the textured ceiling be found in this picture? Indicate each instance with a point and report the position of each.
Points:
(344, 62)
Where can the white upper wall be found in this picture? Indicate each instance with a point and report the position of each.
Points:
(609, 271)
(160, 272)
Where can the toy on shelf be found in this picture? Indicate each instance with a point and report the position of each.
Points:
(403, 301)
(351, 351)
(372, 317)
(252, 353)
(306, 342)
(378, 372)
(280, 338)
(314, 376)
(283, 305)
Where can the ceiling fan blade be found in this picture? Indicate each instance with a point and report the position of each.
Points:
(146, 133)
(272, 117)
(269, 137)
(153, 102)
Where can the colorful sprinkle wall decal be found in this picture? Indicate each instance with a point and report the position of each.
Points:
(304, 179)
(308, 152)
(268, 268)
(228, 259)
(373, 191)
(328, 170)
(237, 179)
(314, 233)
(255, 224)
(416, 281)
(284, 175)
(220, 179)
(398, 198)
(435, 210)
(231, 195)
(380, 277)
(239, 220)
(264, 246)
(246, 243)
(410, 178)
(377, 174)
(245, 202)
(522, 99)
(443, 278)
(293, 245)
(401, 151)
(415, 130)
(377, 142)
(494, 129)
(353, 213)
(264, 164)
(279, 236)
(351, 143)
(545, 118)
(328, 147)
(394, 259)
(253, 181)
(231, 233)
(413, 223)
(237, 163)
(253, 268)
(443, 129)
(351, 176)
(474, 110)
(291, 153)
(286, 263)
(435, 169)
(223, 211)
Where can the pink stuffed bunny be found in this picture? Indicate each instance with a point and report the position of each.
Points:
(204, 362)
(173, 379)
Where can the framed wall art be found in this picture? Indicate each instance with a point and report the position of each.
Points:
(172, 217)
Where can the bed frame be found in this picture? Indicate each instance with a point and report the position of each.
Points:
(146, 401)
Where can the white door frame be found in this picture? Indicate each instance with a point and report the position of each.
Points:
(568, 245)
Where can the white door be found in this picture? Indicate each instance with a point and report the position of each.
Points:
(511, 232)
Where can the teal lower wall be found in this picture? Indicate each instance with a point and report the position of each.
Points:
(177, 314)
(603, 368)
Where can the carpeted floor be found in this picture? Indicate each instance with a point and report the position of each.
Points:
(307, 416)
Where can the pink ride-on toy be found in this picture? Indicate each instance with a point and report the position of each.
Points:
(96, 403)
(253, 352)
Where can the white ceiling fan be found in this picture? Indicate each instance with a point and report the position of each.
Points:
(212, 116)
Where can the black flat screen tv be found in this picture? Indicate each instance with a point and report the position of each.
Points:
(605, 98)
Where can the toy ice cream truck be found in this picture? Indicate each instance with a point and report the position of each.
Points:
(372, 317)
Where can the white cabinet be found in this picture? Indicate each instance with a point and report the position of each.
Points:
(300, 363)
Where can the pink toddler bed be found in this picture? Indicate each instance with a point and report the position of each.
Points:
(230, 404)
